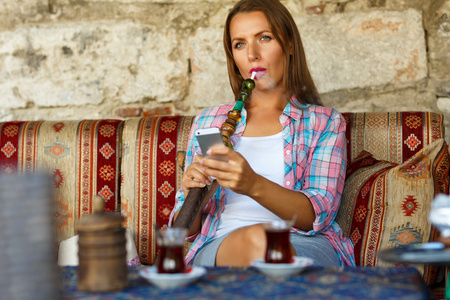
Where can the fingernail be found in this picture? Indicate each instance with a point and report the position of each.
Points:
(210, 179)
(202, 184)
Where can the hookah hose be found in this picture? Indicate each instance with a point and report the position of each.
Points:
(194, 199)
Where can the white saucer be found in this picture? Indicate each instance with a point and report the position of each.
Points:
(282, 270)
(165, 281)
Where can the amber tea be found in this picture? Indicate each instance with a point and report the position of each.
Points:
(170, 242)
(278, 250)
(171, 259)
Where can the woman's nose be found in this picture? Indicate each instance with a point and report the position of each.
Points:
(253, 52)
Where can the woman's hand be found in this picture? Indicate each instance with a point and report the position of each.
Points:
(445, 241)
(236, 174)
(194, 176)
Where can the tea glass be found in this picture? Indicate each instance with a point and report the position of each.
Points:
(278, 250)
(170, 243)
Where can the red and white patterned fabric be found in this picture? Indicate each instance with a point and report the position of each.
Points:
(391, 136)
(398, 163)
(386, 205)
(81, 156)
(134, 164)
(151, 175)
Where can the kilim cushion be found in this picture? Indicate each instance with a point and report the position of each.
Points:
(386, 205)
(150, 176)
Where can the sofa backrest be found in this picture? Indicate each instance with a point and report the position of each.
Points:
(150, 177)
(138, 159)
(82, 157)
(391, 136)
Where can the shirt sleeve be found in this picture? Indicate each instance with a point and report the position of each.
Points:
(324, 174)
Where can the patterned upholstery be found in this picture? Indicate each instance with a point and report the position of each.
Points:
(82, 156)
(376, 200)
(144, 193)
(91, 157)
(386, 205)
(150, 176)
(394, 136)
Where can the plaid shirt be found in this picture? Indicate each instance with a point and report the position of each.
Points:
(317, 136)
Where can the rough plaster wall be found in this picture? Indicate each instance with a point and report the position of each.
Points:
(72, 59)
(78, 63)
(364, 49)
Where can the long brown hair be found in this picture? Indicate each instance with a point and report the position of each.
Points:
(297, 80)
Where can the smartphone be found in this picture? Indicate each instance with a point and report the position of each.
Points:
(209, 138)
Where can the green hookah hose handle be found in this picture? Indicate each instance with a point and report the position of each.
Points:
(234, 116)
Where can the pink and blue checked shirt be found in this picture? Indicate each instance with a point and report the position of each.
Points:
(316, 135)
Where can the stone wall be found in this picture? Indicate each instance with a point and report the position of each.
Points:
(73, 59)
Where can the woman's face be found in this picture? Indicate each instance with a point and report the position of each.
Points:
(256, 49)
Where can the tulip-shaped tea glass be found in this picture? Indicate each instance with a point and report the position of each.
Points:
(278, 250)
(170, 243)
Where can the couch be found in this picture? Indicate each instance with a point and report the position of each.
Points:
(397, 163)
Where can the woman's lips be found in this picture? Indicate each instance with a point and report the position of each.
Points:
(259, 72)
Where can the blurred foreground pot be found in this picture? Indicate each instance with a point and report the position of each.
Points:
(102, 251)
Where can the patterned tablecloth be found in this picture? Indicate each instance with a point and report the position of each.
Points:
(249, 283)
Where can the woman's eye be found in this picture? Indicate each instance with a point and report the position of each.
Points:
(266, 38)
(238, 45)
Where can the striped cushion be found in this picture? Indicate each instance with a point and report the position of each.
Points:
(386, 205)
(388, 140)
(150, 176)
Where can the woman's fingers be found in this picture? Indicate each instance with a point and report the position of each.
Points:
(236, 174)
(189, 182)
(198, 176)
(194, 176)
(225, 151)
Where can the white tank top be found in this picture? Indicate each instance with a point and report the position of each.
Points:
(265, 156)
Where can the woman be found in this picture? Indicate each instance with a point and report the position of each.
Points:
(289, 151)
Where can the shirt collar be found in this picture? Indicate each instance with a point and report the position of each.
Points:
(289, 114)
(292, 112)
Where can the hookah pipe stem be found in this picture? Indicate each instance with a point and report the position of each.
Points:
(234, 116)
(194, 199)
